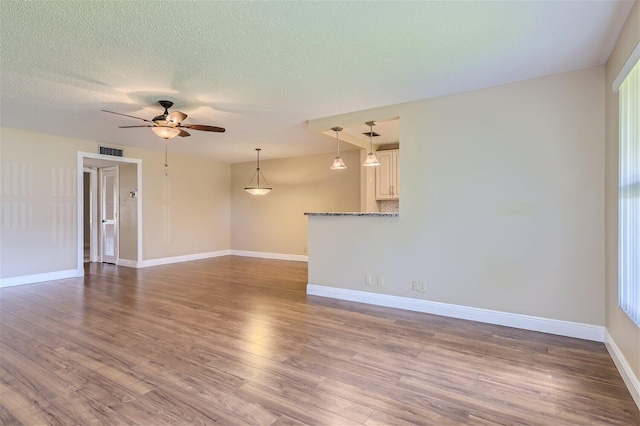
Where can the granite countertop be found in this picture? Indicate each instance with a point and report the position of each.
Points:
(391, 214)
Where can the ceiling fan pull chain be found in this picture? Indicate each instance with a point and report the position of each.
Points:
(166, 163)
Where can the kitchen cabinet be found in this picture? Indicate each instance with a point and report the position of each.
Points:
(387, 183)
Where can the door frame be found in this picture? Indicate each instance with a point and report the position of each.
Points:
(81, 156)
(93, 216)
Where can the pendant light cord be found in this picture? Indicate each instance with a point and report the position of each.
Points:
(371, 137)
(258, 168)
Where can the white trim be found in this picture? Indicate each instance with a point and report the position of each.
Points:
(266, 255)
(127, 263)
(630, 379)
(93, 216)
(626, 68)
(139, 218)
(37, 278)
(525, 322)
(80, 197)
(178, 259)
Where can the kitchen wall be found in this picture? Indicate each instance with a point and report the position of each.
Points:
(275, 223)
(622, 330)
(184, 213)
(502, 203)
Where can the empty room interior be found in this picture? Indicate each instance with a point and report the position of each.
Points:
(205, 217)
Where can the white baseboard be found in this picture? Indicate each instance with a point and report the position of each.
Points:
(49, 276)
(178, 259)
(525, 322)
(38, 278)
(265, 255)
(128, 263)
(630, 379)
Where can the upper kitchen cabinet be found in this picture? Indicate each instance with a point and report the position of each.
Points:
(387, 182)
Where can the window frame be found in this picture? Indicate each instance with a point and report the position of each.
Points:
(627, 84)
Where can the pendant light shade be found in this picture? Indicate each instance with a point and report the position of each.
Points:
(257, 189)
(372, 159)
(337, 164)
(166, 132)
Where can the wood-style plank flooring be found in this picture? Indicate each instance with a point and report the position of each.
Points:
(236, 340)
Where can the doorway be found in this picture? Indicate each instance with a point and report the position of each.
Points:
(125, 192)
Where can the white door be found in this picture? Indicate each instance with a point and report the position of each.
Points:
(109, 214)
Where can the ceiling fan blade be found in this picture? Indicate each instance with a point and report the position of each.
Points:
(203, 127)
(126, 115)
(184, 133)
(129, 127)
(176, 117)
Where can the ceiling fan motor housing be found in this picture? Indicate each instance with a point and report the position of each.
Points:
(166, 105)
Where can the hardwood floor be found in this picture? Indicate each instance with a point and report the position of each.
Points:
(236, 340)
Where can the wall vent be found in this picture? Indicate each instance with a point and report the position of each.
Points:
(107, 150)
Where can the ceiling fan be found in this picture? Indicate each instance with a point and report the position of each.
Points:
(169, 124)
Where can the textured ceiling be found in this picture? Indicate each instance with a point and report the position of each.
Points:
(261, 69)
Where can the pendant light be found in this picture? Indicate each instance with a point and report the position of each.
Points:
(338, 164)
(258, 190)
(372, 159)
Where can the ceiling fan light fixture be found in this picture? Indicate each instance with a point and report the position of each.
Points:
(166, 132)
(257, 189)
(337, 164)
(169, 125)
(372, 159)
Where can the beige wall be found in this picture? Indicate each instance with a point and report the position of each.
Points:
(38, 202)
(128, 232)
(620, 327)
(502, 202)
(184, 213)
(367, 186)
(275, 223)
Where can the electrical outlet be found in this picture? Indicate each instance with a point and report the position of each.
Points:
(367, 279)
(414, 285)
(380, 281)
(304, 249)
(419, 286)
